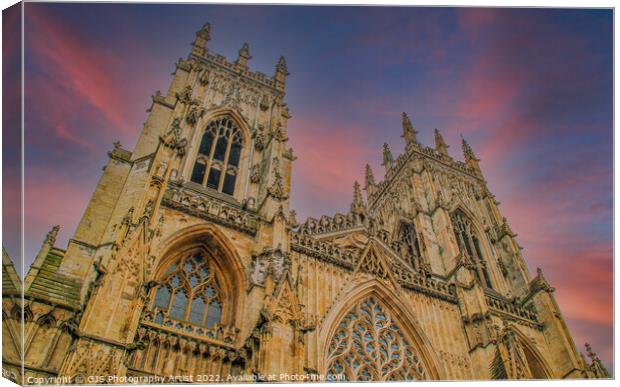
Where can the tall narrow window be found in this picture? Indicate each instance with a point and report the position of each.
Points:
(409, 244)
(217, 162)
(468, 242)
(189, 292)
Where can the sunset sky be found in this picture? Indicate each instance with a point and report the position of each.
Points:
(531, 90)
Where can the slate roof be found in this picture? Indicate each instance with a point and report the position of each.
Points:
(11, 283)
(53, 287)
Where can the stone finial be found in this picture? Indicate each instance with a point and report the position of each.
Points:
(205, 32)
(281, 66)
(244, 55)
(597, 366)
(202, 37)
(358, 204)
(50, 238)
(540, 282)
(591, 354)
(409, 133)
(440, 144)
(468, 153)
(388, 159)
(281, 72)
(370, 177)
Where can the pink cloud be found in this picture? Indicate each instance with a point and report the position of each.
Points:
(79, 64)
(62, 132)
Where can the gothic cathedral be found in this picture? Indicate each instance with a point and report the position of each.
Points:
(189, 265)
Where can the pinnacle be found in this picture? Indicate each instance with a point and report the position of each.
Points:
(245, 50)
(281, 66)
(358, 201)
(387, 155)
(205, 30)
(409, 133)
(370, 177)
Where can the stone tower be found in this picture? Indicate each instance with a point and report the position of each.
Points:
(188, 264)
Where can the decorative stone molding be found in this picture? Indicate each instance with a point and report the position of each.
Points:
(172, 138)
(220, 335)
(323, 250)
(502, 307)
(277, 189)
(206, 207)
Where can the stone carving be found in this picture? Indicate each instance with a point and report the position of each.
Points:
(264, 103)
(173, 139)
(277, 189)
(207, 208)
(259, 139)
(185, 96)
(255, 174)
(194, 114)
(269, 262)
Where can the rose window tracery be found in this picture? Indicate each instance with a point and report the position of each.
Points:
(368, 345)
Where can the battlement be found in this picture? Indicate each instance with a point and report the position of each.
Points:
(201, 53)
(220, 61)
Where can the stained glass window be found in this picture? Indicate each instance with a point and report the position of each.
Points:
(217, 162)
(469, 244)
(189, 292)
(368, 345)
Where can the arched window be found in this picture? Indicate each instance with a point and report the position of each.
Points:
(409, 244)
(368, 345)
(469, 244)
(217, 162)
(189, 292)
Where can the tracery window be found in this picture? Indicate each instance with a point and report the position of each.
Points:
(409, 244)
(368, 345)
(469, 244)
(190, 291)
(217, 162)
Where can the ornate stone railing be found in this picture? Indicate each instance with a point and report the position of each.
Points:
(334, 223)
(222, 61)
(498, 304)
(323, 250)
(425, 284)
(218, 334)
(206, 207)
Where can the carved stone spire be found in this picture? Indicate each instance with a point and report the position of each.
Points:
(409, 133)
(370, 177)
(388, 159)
(202, 37)
(358, 204)
(281, 71)
(244, 55)
(468, 153)
(50, 238)
(440, 144)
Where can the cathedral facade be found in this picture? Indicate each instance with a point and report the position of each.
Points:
(189, 265)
